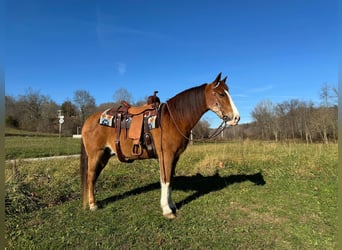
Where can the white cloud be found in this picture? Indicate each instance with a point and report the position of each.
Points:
(121, 68)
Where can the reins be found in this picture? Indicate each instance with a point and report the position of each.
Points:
(174, 122)
(218, 131)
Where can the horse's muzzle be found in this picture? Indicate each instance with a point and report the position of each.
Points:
(232, 121)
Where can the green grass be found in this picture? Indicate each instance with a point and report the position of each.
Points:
(18, 147)
(252, 195)
(9, 131)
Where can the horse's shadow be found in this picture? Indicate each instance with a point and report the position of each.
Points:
(201, 184)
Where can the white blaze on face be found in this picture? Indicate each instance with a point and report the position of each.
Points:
(235, 111)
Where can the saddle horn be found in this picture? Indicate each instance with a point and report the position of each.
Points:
(153, 99)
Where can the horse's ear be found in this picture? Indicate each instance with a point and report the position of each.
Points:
(224, 80)
(218, 77)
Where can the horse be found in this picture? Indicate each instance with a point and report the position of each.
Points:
(177, 117)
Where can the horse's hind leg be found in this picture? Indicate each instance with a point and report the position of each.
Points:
(95, 166)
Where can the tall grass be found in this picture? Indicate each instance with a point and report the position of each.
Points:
(240, 195)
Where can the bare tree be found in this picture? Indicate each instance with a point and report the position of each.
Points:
(48, 122)
(35, 111)
(325, 113)
(201, 129)
(305, 114)
(85, 104)
(31, 111)
(335, 95)
(265, 116)
(122, 94)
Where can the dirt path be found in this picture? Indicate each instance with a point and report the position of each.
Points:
(43, 158)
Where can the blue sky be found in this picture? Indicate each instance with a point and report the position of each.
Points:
(275, 50)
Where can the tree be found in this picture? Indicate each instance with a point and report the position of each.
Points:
(71, 120)
(325, 95)
(85, 104)
(48, 122)
(335, 95)
(10, 112)
(122, 94)
(35, 112)
(325, 113)
(201, 129)
(305, 114)
(265, 116)
(31, 111)
(288, 118)
(142, 102)
(69, 109)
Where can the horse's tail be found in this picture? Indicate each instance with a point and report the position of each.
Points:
(84, 175)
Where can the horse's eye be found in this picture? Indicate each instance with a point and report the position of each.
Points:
(222, 95)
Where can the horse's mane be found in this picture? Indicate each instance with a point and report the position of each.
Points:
(189, 103)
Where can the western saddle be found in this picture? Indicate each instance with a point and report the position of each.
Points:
(136, 119)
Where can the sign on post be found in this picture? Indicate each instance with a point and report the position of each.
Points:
(61, 121)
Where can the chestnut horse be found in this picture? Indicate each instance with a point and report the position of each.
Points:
(177, 117)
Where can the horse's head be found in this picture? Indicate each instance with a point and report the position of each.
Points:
(219, 101)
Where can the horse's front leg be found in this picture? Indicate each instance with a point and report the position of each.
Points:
(166, 203)
(167, 168)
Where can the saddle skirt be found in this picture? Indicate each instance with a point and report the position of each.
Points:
(135, 123)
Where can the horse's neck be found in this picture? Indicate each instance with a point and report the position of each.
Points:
(188, 108)
(195, 117)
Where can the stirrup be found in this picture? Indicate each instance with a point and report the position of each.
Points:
(137, 149)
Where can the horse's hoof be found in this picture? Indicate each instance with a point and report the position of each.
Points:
(170, 216)
(93, 207)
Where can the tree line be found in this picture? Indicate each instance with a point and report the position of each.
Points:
(36, 112)
(293, 119)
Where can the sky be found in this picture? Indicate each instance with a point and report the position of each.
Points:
(270, 50)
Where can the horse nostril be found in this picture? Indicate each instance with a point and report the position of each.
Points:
(232, 121)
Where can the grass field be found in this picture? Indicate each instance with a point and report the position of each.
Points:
(18, 147)
(238, 195)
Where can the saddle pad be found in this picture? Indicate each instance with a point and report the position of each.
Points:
(152, 122)
(106, 119)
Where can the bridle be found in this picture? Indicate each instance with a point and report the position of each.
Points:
(218, 105)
